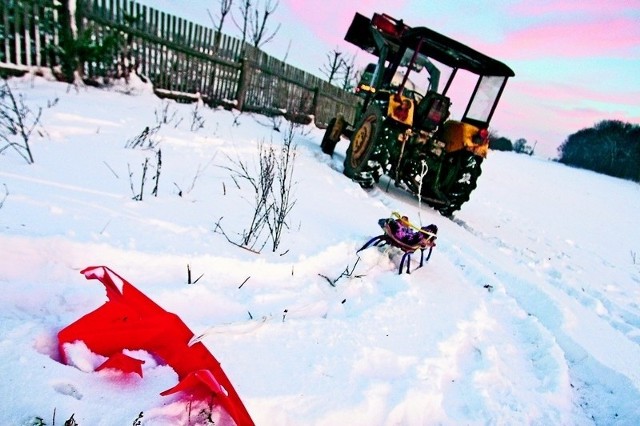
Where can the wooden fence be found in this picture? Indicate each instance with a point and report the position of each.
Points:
(179, 57)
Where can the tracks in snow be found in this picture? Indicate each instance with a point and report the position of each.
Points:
(534, 297)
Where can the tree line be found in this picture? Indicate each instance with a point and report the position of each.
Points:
(501, 143)
(610, 147)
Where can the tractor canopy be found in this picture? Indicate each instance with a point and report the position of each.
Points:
(399, 46)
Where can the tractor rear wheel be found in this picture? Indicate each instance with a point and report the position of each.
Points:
(464, 171)
(359, 164)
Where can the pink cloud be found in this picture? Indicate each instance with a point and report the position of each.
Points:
(595, 7)
(617, 37)
(564, 93)
(549, 113)
(330, 19)
(548, 126)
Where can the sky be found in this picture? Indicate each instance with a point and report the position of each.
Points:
(577, 62)
(526, 313)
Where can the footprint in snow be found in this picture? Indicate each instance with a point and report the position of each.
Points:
(67, 389)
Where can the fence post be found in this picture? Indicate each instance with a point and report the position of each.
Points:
(67, 42)
(314, 105)
(243, 83)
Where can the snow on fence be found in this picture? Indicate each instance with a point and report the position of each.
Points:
(180, 58)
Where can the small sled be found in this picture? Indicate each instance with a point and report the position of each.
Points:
(402, 234)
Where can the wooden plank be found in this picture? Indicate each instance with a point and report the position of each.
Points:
(166, 70)
(154, 50)
(158, 47)
(26, 20)
(175, 60)
(148, 51)
(37, 35)
(163, 82)
(176, 28)
(56, 34)
(190, 62)
(158, 17)
(16, 34)
(213, 67)
(5, 38)
(222, 83)
(46, 36)
(127, 49)
(179, 57)
(135, 48)
(200, 64)
(155, 61)
(95, 6)
(143, 53)
(167, 60)
(204, 65)
(206, 71)
(189, 65)
(232, 79)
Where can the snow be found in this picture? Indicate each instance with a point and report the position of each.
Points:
(528, 311)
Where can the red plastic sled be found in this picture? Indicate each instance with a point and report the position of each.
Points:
(130, 320)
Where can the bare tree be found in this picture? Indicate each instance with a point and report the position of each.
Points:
(253, 21)
(245, 13)
(224, 8)
(333, 65)
(286, 53)
(259, 33)
(348, 72)
(522, 147)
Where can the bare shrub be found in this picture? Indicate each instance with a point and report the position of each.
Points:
(260, 180)
(197, 120)
(347, 273)
(197, 174)
(272, 183)
(156, 177)
(139, 195)
(144, 139)
(274, 122)
(17, 122)
(189, 279)
(6, 194)
(283, 201)
(166, 116)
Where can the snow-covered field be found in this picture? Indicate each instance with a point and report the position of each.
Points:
(528, 311)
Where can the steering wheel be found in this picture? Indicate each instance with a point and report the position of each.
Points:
(416, 96)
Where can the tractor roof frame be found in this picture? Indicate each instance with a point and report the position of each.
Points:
(429, 43)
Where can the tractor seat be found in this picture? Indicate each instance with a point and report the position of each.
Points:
(432, 111)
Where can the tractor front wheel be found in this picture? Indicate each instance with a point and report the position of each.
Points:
(359, 164)
(332, 135)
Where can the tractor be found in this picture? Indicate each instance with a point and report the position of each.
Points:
(407, 126)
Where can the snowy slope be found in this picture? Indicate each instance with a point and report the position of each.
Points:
(528, 311)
